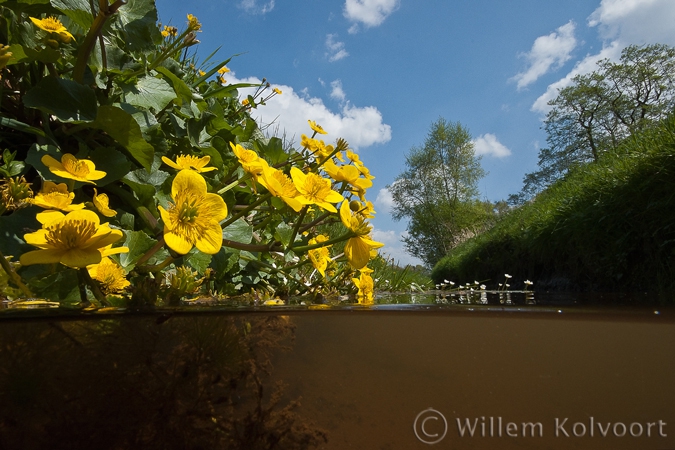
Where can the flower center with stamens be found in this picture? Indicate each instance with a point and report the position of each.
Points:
(316, 188)
(70, 234)
(51, 24)
(76, 167)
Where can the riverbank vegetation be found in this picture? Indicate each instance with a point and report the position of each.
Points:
(608, 225)
(599, 213)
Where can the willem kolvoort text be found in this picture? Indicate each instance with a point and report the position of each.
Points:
(561, 427)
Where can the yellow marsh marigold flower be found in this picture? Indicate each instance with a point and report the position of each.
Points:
(189, 162)
(350, 174)
(316, 146)
(193, 219)
(249, 160)
(56, 196)
(53, 25)
(316, 127)
(72, 168)
(358, 248)
(74, 240)
(101, 202)
(223, 70)
(169, 31)
(111, 276)
(245, 102)
(366, 287)
(315, 190)
(320, 257)
(5, 55)
(279, 185)
(193, 23)
(277, 91)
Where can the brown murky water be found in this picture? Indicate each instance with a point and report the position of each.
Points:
(365, 379)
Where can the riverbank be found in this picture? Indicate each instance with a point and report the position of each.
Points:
(607, 226)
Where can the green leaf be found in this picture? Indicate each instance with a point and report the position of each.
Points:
(283, 233)
(139, 243)
(137, 20)
(112, 162)
(34, 158)
(238, 231)
(13, 227)
(149, 93)
(78, 11)
(66, 99)
(273, 150)
(145, 184)
(122, 127)
(182, 90)
(18, 54)
(199, 261)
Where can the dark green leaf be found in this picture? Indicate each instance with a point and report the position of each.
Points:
(66, 99)
(125, 130)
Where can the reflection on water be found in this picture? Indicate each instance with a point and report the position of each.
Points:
(340, 378)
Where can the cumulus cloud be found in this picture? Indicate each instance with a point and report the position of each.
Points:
(488, 144)
(360, 126)
(586, 65)
(548, 52)
(369, 13)
(256, 6)
(384, 201)
(335, 49)
(337, 92)
(619, 23)
(635, 21)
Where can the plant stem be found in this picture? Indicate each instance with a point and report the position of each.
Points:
(104, 12)
(243, 212)
(14, 277)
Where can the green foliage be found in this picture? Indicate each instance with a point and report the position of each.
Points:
(389, 276)
(608, 225)
(438, 192)
(113, 135)
(591, 117)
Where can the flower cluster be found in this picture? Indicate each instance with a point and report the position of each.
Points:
(156, 184)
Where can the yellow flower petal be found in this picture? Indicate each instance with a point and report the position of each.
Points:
(101, 202)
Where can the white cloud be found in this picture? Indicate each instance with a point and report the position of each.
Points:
(360, 126)
(635, 21)
(336, 91)
(393, 247)
(586, 65)
(257, 7)
(370, 13)
(488, 144)
(384, 201)
(336, 49)
(619, 23)
(547, 53)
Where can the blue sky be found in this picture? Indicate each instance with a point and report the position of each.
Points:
(379, 72)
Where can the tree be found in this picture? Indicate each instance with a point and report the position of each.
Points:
(438, 192)
(599, 110)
